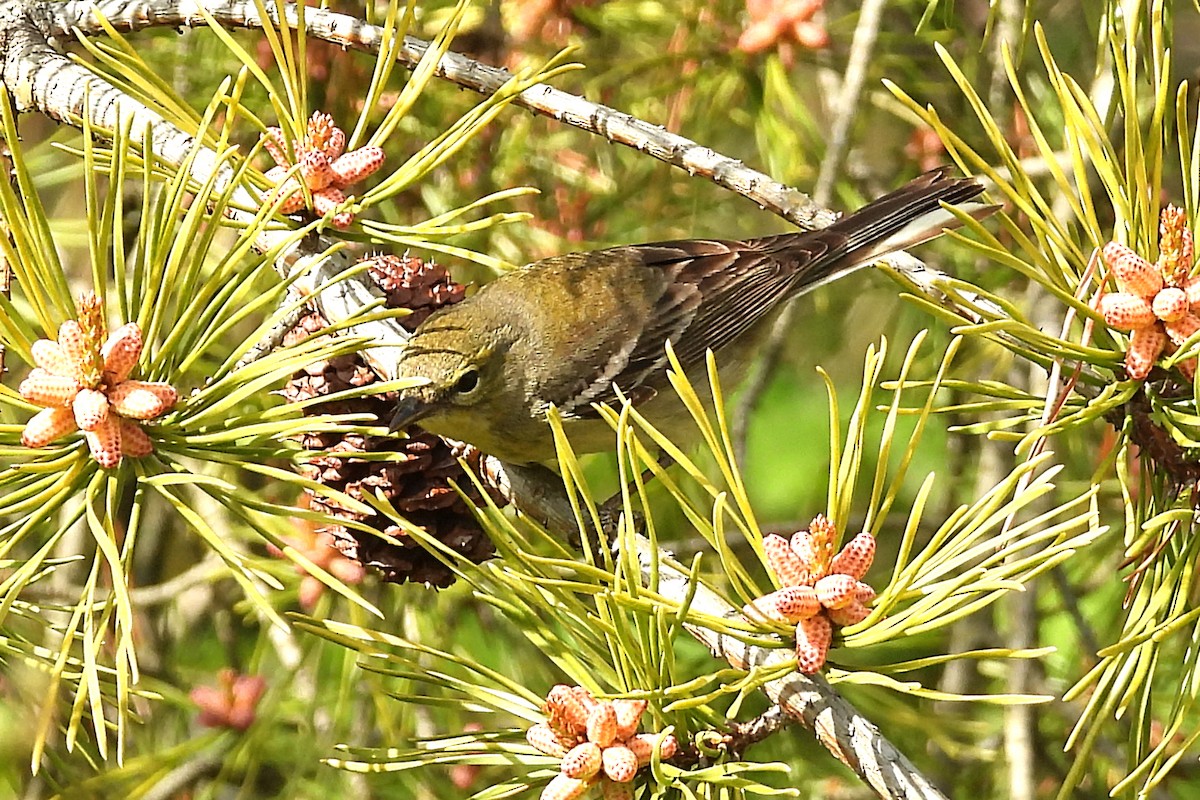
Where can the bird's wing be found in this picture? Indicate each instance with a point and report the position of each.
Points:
(713, 291)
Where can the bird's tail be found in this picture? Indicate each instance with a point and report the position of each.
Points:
(897, 221)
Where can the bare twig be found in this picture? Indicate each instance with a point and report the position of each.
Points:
(144, 597)
(744, 734)
(186, 774)
(274, 337)
(846, 104)
(5, 267)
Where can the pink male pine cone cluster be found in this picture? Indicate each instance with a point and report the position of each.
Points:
(778, 23)
(597, 741)
(232, 703)
(820, 589)
(1157, 303)
(325, 168)
(82, 382)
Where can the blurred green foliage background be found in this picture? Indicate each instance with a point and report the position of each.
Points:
(677, 64)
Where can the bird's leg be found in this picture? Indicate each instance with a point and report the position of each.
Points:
(612, 508)
(537, 491)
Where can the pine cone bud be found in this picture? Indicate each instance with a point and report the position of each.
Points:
(629, 716)
(273, 143)
(567, 709)
(1181, 329)
(804, 547)
(356, 165)
(142, 399)
(1145, 345)
(1126, 312)
(326, 201)
(1191, 289)
(864, 593)
(1134, 274)
(668, 747)
(602, 724)
(135, 442)
(120, 352)
(546, 740)
(47, 425)
(1170, 304)
(836, 590)
(48, 355)
(90, 408)
(48, 390)
(315, 170)
(335, 144)
(643, 744)
(788, 568)
(286, 186)
(852, 613)
(787, 605)
(620, 764)
(561, 787)
(583, 761)
(856, 557)
(813, 637)
(104, 442)
(75, 347)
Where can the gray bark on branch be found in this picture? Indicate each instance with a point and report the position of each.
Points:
(615, 126)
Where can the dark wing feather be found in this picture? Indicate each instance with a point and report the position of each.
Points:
(714, 290)
(717, 291)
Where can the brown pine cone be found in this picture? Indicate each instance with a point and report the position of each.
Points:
(418, 485)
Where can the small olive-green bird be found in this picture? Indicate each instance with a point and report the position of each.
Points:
(568, 331)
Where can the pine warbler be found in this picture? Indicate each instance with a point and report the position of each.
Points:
(569, 330)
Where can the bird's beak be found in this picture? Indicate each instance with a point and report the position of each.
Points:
(409, 409)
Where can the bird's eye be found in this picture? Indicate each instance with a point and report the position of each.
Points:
(467, 382)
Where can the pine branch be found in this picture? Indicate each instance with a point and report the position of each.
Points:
(839, 727)
(40, 78)
(60, 20)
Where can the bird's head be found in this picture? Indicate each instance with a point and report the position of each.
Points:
(463, 367)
